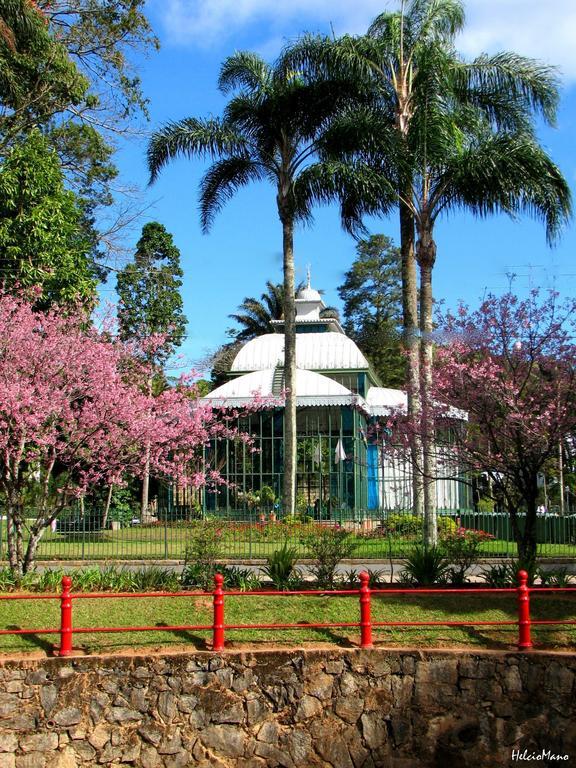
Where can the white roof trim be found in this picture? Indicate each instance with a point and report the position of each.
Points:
(308, 385)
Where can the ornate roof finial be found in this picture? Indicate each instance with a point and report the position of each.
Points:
(308, 275)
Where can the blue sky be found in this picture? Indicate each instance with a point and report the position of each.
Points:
(243, 249)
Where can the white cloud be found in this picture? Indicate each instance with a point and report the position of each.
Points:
(531, 27)
(535, 28)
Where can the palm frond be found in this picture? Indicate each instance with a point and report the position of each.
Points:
(190, 137)
(360, 190)
(508, 173)
(220, 183)
(245, 69)
(529, 84)
(435, 20)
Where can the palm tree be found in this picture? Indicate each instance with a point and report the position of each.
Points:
(255, 315)
(271, 130)
(487, 171)
(427, 101)
(386, 60)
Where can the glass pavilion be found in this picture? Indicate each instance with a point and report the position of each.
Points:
(344, 468)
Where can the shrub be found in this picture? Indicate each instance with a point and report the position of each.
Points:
(425, 566)
(462, 550)
(280, 567)
(558, 577)
(243, 579)
(445, 526)
(403, 525)
(377, 578)
(328, 547)
(506, 574)
(204, 549)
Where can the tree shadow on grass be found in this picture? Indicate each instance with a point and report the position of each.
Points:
(40, 641)
(187, 637)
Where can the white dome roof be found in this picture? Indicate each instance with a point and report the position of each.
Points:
(308, 294)
(314, 351)
(311, 388)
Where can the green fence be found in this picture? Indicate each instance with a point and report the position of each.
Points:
(246, 536)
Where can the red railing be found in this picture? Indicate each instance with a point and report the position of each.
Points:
(218, 626)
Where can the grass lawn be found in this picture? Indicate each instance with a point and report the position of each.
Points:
(197, 610)
(142, 543)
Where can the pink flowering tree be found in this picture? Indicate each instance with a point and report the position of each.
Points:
(511, 366)
(74, 414)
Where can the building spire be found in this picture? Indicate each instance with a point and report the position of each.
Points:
(308, 276)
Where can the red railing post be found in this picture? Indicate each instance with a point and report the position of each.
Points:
(365, 618)
(218, 624)
(65, 618)
(523, 592)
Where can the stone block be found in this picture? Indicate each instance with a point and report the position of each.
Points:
(109, 754)
(149, 757)
(308, 707)
(269, 732)
(67, 716)
(7, 760)
(100, 736)
(437, 671)
(151, 732)
(8, 741)
(39, 742)
(227, 740)
(181, 760)
(349, 708)
(332, 748)
(31, 760)
(320, 686)
(19, 723)
(171, 744)
(374, 730)
(84, 751)
(167, 706)
(64, 759)
(298, 743)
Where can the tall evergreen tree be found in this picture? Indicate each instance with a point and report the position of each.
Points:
(149, 292)
(150, 303)
(372, 296)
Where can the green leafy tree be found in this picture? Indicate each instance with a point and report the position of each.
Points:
(150, 304)
(68, 67)
(272, 130)
(372, 296)
(37, 77)
(101, 38)
(42, 240)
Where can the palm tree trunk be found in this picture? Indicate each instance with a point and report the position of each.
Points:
(410, 342)
(426, 256)
(289, 367)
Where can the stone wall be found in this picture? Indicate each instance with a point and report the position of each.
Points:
(339, 708)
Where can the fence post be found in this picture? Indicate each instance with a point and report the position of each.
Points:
(523, 592)
(218, 624)
(65, 618)
(365, 618)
